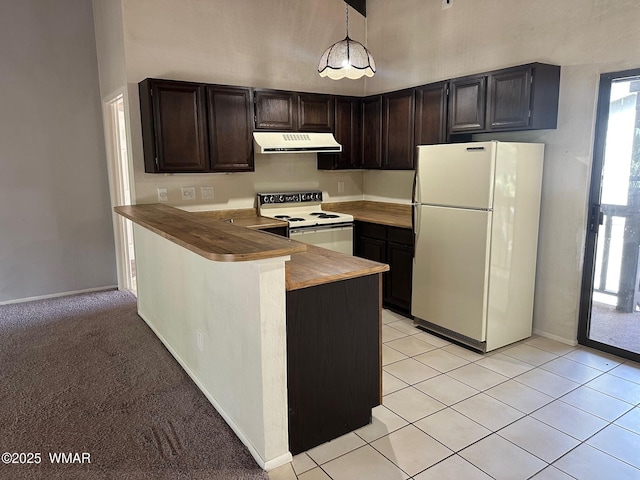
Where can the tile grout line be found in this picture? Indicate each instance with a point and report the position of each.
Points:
(507, 378)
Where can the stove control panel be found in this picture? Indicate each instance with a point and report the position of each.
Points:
(289, 197)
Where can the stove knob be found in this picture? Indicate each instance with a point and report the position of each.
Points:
(280, 198)
(270, 199)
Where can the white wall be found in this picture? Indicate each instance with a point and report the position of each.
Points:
(269, 44)
(239, 309)
(55, 221)
(421, 43)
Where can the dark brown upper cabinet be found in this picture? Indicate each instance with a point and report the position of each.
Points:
(230, 129)
(316, 113)
(195, 128)
(523, 97)
(398, 144)
(511, 99)
(174, 126)
(347, 133)
(275, 110)
(431, 114)
(467, 104)
(371, 141)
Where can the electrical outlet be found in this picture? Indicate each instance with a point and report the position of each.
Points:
(447, 4)
(340, 187)
(163, 194)
(199, 340)
(206, 193)
(188, 193)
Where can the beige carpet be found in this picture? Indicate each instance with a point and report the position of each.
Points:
(85, 374)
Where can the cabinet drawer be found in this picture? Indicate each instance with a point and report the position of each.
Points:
(373, 230)
(403, 236)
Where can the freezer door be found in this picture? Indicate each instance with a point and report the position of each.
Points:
(459, 175)
(450, 272)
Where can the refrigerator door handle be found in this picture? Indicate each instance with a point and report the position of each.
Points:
(415, 221)
(414, 190)
(475, 149)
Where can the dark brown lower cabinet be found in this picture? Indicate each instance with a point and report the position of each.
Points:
(397, 292)
(394, 246)
(333, 359)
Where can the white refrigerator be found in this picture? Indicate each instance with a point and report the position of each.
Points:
(476, 214)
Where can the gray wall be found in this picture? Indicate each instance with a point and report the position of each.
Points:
(55, 222)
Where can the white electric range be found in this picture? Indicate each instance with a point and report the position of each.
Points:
(308, 223)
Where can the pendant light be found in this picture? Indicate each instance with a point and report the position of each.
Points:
(346, 58)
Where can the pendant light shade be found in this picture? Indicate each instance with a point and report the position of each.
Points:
(346, 58)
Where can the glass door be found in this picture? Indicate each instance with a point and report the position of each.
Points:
(610, 303)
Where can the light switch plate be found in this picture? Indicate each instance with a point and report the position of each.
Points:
(340, 187)
(206, 193)
(188, 193)
(163, 194)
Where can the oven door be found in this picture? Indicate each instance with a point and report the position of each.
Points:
(332, 237)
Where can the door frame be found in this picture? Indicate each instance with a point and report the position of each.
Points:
(593, 219)
(112, 143)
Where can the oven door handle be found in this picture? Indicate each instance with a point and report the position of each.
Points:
(316, 228)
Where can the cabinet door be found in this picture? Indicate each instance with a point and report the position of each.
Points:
(315, 112)
(467, 104)
(398, 145)
(370, 241)
(347, 132)
(398, 279)
(230, 129)
(275, 110)
(510, 98)
(371, 132)
(431, 114)
(372, 249)
(174, 126)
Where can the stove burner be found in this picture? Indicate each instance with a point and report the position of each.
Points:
(282, 216)
(296, 219)
(317, 213)
(327, 215)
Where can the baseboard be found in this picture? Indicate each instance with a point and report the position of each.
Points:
(265, 465)
(61, 294)
(557, 338)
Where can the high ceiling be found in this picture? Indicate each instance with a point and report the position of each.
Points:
(359, 5)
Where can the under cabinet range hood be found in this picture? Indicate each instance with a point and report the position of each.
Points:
(284, 142)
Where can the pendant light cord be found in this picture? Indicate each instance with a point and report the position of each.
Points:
(346, 7)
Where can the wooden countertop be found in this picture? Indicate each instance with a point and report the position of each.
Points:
(392, 214)
(208, 236)
(246, 217)
(318, 265)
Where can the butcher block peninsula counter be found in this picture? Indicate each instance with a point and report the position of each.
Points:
(271, 330)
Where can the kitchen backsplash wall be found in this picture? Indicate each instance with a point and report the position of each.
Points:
(273, 173)
(393, 186)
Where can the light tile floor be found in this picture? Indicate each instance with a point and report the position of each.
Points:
(536, 409)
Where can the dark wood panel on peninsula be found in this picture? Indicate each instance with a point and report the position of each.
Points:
(333, 359)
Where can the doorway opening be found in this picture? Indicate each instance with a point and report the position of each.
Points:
(610, 299)
(120, 189)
